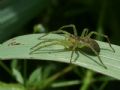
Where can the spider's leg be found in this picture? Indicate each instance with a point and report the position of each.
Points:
(102, 35)
(85, 32)
(77, 53)
(96, 53)
(73, 50)
(57, 42)
(58, 31)
(49, 40)
(43, 46)
(71, 56)
(70, 25)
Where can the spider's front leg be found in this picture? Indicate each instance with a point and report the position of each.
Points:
(72, 53)
(85, 32)
(43, 46)
(49, 43)
(45, 41)
(102, 35)
(70, 25)
(53, 32)
(60, 30)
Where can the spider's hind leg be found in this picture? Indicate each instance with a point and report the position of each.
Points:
(95, 52)
(102, 35)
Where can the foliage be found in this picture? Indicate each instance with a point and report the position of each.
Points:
(101, 16)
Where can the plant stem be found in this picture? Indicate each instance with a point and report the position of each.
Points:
(104, 85)
(5, 67)
(25, 71)
(87, 80)
(101, 20)
(57, 75)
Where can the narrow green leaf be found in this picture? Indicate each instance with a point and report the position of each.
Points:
(18, 75)
(4, 86)
(35, 77)
(19, 48)
(15, 71)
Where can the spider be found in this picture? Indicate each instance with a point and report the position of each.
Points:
(74, 42)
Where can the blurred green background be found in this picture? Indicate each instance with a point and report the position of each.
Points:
(19, 17)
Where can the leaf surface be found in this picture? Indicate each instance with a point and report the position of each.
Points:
(19, 48)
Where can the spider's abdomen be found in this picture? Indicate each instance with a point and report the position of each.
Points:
(92, 43)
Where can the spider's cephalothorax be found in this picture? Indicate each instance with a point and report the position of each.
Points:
(75, 42)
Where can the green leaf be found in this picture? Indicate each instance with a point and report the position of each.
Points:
(18, 75)
(19, 48)
(4, 86)
(35, 77)
(15, 71)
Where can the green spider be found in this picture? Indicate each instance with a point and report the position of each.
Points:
(74, 42)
